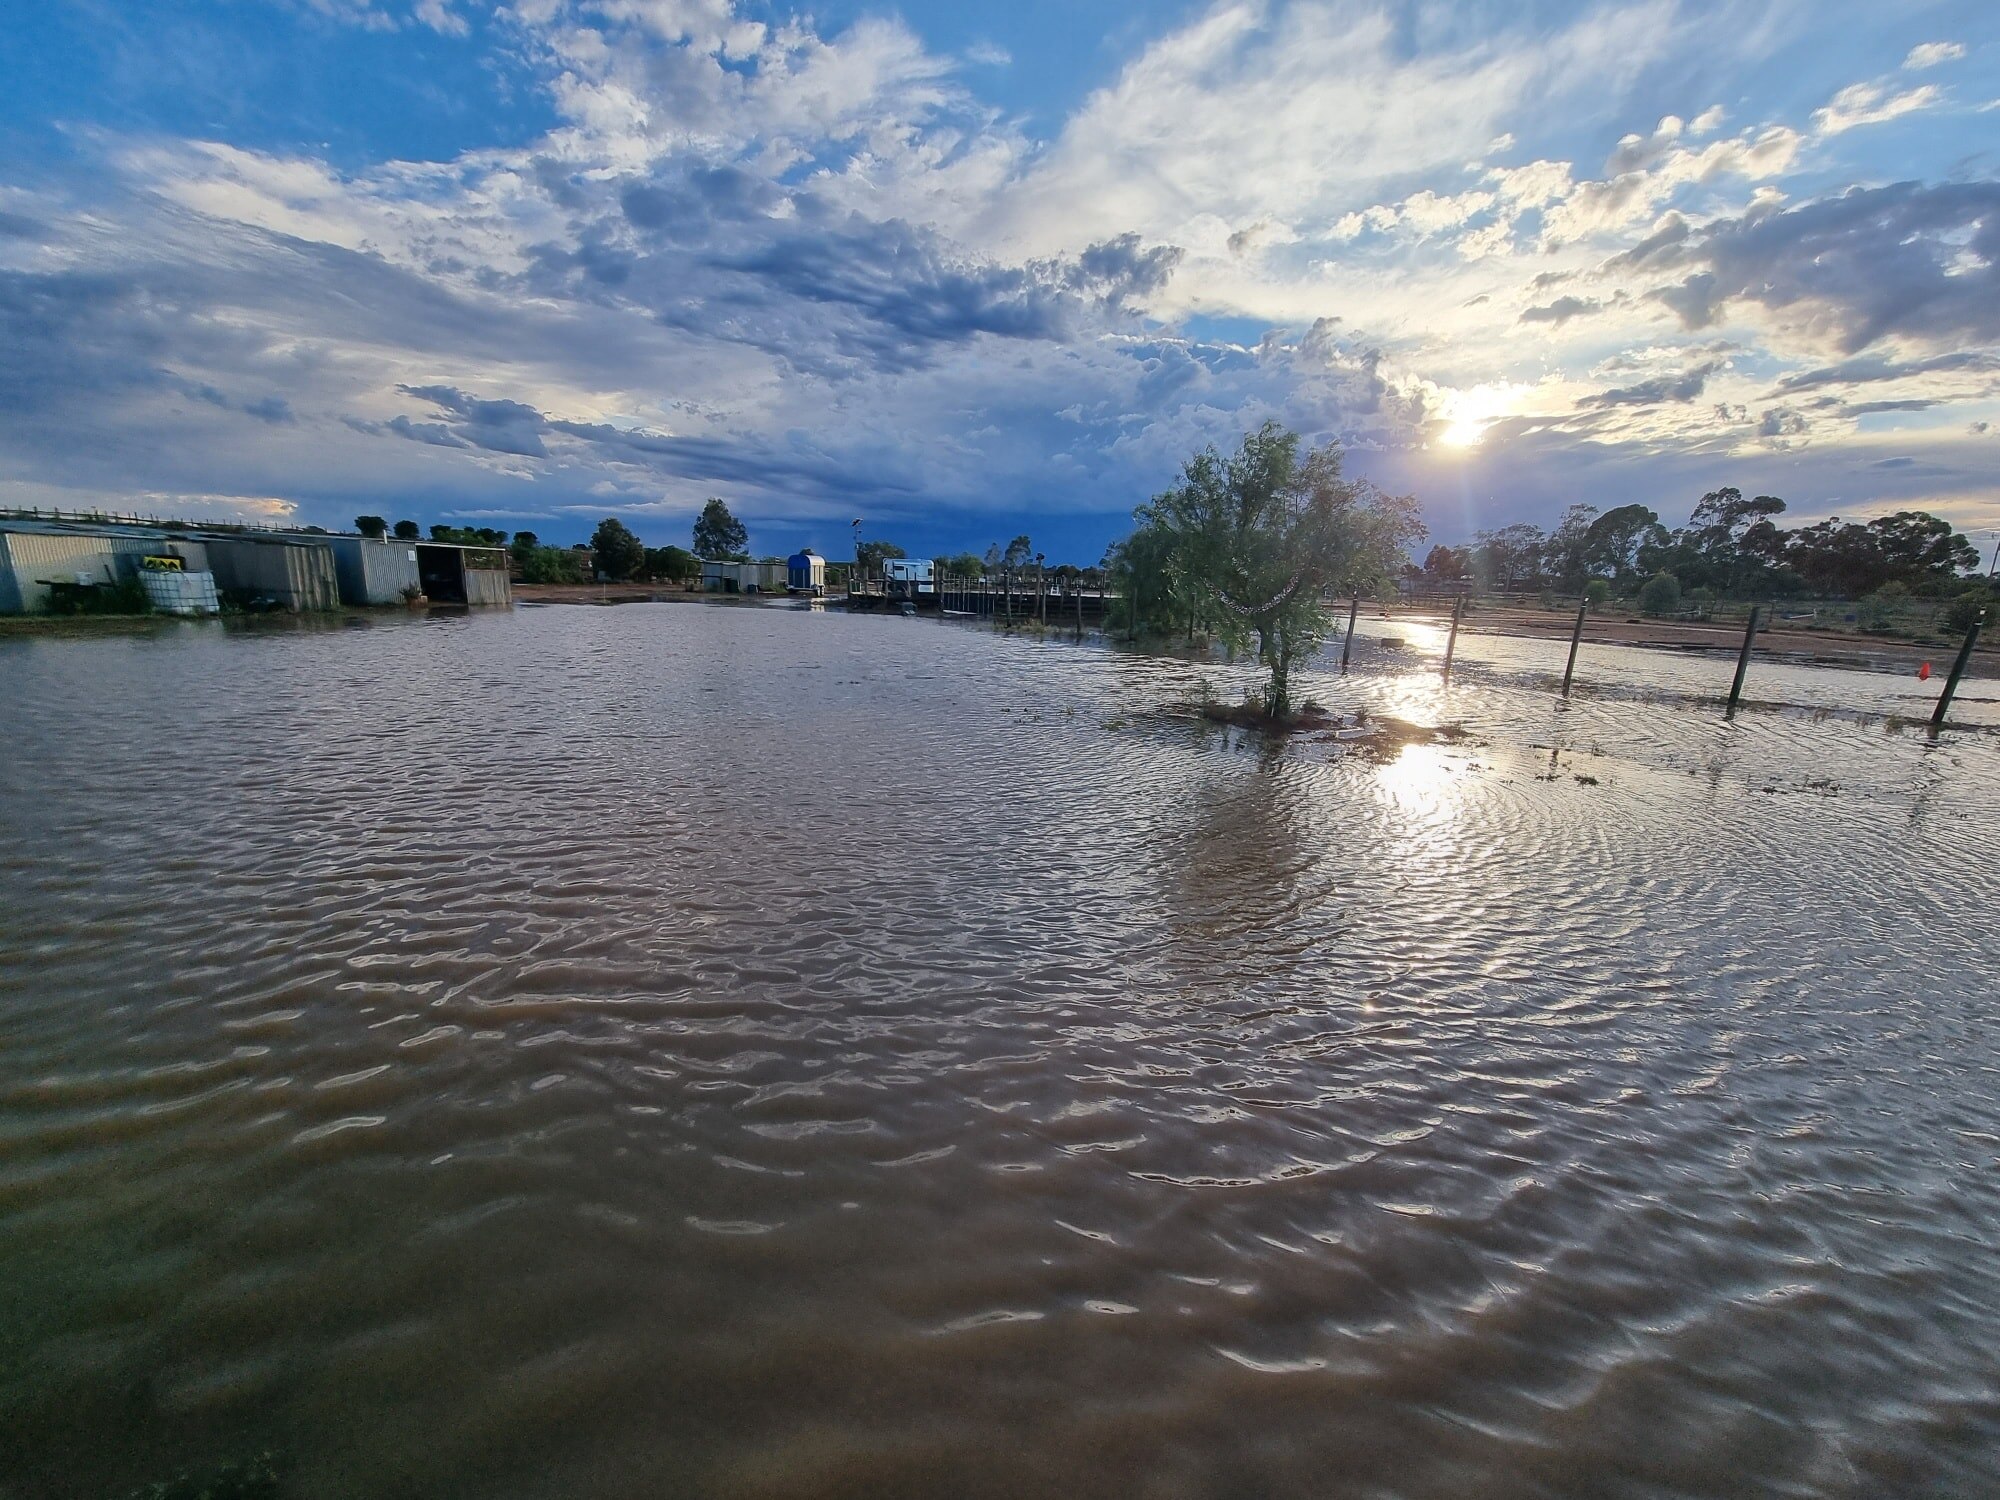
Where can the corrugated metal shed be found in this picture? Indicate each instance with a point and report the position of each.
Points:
(487, 585)
(32, 556)
(298, 576)
(372, 571)
(743, 577)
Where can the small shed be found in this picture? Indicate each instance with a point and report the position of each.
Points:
(805, 573)
(454, 574)
(294, 573)
(373, 570)
(720, 577)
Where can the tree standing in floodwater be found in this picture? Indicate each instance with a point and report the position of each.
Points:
(1255, 543)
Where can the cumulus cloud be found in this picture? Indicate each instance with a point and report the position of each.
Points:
(1237, 115)
(1911, 261)
(809, 269)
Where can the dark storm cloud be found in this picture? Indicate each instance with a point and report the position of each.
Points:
(1122, 269)
(496, 426)
(721, 253)
(794, 466)
(907, 291)
(1871, 370)
(1909, 261)
(1659, 245)
(687, 204)
(74, 335)
(435, 433)
(1663, 388)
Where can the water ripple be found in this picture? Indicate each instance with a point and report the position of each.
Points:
(757, 1052)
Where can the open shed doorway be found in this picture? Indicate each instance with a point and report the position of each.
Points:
(442, 570)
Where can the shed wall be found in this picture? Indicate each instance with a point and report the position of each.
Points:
(488, 586)
(299, 577)
(29, 560)
(375, 572)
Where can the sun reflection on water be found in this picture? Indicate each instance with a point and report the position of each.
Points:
(1425, 780)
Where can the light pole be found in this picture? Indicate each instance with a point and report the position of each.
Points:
(1994, 571)
(857, 556)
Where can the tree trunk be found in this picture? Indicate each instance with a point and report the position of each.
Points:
(1272, 649)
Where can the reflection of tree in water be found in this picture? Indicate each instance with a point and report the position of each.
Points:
(1240, 874)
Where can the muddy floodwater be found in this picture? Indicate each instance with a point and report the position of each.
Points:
(756, 1052)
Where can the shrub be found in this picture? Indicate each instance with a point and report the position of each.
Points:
(1962, 611)
(127, 596)
(1880, 607)
(1597, 592)
(1661, 595)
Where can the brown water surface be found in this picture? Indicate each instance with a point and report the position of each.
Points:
(678, 1051)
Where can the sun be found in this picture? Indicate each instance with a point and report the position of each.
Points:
(1468, 413)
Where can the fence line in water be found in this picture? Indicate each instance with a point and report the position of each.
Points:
(983, 598)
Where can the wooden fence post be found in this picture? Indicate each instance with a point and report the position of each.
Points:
(1575, 638)
(1451, 642)
(1742, 662)
(1957, 671)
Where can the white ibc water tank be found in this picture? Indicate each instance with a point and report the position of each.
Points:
(173, 593)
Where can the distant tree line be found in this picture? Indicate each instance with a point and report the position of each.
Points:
(1731, 547)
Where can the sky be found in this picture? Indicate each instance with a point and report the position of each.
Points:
(963, 271)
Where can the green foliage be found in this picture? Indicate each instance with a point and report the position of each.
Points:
(718, 535)
(873, 554)
(676, 563)
(620, 555)
(1880, 608)
(1618, 542)
(1447, 564)
(406, 531)
(125, 597)
(1661, 595)
(1566, 555)
(963, 565)
(1253, 543)
(1020, 552)
(371, 526)
(1598, 592)
(1509, 558)
(1966, 607)
(551, 565)
(468, 536)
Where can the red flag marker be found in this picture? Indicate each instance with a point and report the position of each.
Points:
(1924, 672)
